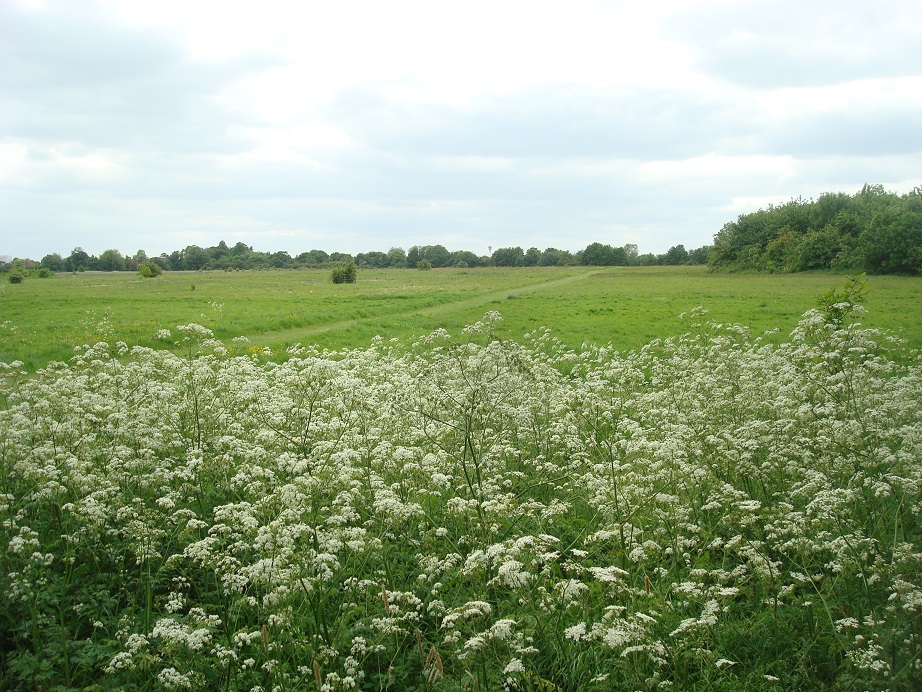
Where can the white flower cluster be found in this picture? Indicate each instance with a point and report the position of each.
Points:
(475, 512)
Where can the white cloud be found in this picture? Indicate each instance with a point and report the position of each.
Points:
(359, 125)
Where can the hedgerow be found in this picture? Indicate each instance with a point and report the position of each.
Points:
(708, 512)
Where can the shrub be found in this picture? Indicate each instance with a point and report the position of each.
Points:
(424, 264)
(149, 270)
(343, 273)
(16, 277)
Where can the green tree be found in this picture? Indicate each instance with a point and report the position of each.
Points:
(509, 257)
(599, 255)
(676, 255)
(892, 243)
(54, 262)
(313, 258)
(79, 261)
(465, 258)
(194, 257)
(396, 258)
(552, 257)
(532, 257)
(111, 261)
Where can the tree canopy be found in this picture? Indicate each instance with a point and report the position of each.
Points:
(874, 231)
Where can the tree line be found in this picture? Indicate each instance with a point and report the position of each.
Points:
(243, 257)
(874, 231)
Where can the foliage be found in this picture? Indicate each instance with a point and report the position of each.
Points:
(874, 231)
(509, 257)
(343, 273)
(243, 257)
(17, 272)
(423, 264)
(709, 511)
(149, 269)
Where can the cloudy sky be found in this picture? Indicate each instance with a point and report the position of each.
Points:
(361, 125)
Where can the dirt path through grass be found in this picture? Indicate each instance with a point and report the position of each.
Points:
(289, 336)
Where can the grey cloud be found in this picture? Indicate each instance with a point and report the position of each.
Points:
(551, 121)
(74, 75)
(768, 44)
(889, 129)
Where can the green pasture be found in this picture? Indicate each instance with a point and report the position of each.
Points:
(44, 319)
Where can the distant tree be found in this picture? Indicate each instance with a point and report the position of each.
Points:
(675, 255)
(552, 257)
(599, 255)
(194, 257)
(372, 260)
(465, 258)
(219, 251)
(396, 258)
(630, 250)
(280, 259)
(532, 257)
(437, 255)
(699, 255)
(111, 261)
(54, 262)
(313, 258)
(509, 257)
(79, 261)
(341, 257)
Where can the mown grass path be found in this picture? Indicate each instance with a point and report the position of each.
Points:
(289, 336)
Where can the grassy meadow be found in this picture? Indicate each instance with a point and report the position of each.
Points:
(449, 511)
(44, 319)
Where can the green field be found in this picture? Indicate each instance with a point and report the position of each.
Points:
(44, 319)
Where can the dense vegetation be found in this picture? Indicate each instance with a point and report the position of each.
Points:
(873, 231)
(707, 512)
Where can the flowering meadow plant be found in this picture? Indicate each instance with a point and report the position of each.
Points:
(708, 512)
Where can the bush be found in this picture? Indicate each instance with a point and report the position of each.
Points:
(343, 273)
(16, 277)
(425, 265)
(149, 270)
(45, 273)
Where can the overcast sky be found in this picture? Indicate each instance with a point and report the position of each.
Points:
(364, 125)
